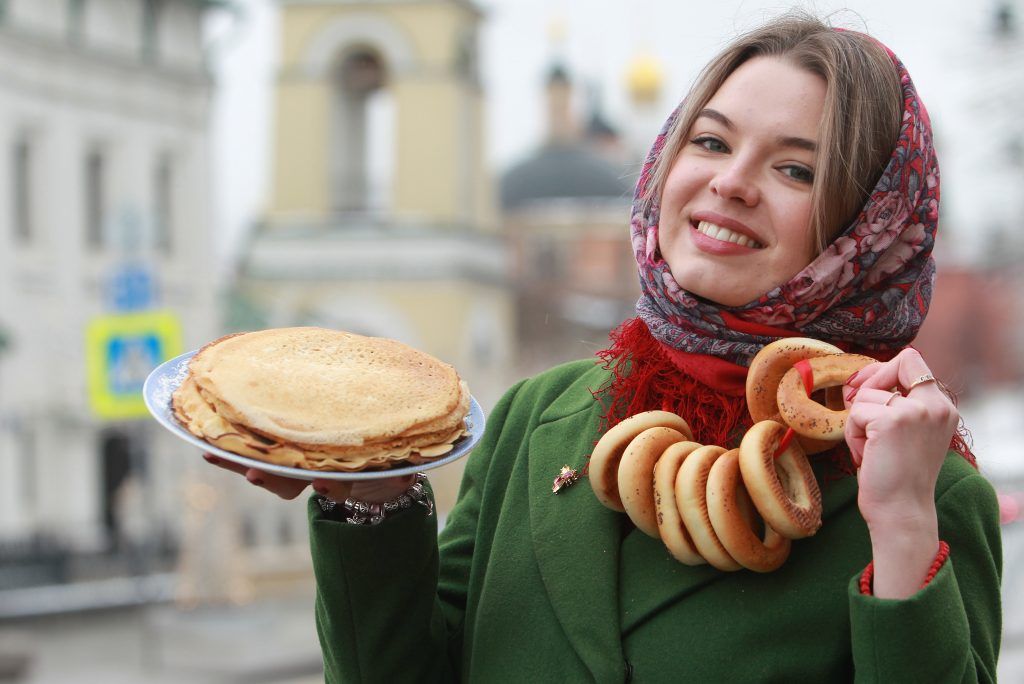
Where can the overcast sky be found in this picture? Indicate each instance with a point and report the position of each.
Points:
(934, 38)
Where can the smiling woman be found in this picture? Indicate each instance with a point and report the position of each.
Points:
(792, 194)
(736, 205)
(858, 123)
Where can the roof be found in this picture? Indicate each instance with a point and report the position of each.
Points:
(563, 171)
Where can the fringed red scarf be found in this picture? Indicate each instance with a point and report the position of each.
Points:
(708, 392)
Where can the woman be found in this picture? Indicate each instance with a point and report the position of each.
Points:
(794, 192)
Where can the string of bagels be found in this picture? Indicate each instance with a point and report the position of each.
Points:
(709, 504)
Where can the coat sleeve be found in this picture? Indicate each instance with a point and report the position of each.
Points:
(389, 604)
(949, 631)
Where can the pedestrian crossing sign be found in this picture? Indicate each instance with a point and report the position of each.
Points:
(121, 350)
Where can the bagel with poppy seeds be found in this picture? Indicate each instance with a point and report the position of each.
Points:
(692, 499)
(636, 475)
(671, 529)
(766, 372)
(733, 518)
(603, 470)
(783, 489)
(807, 417)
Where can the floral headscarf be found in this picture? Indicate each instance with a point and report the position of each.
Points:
(870, 288)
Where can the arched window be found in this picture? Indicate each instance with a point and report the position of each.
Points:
(362, 146)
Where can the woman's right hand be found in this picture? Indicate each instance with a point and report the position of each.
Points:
(284, 487)
(371, 491)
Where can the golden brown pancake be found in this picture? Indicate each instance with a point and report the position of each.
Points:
(322, 399)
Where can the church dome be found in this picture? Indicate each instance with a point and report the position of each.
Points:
(644, 78)
(562, 171)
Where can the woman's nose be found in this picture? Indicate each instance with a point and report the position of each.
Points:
(736, 181)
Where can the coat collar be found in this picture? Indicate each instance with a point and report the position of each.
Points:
(576, 541)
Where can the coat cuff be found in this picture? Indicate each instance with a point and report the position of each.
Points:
(867, 577)
(335, 541)
(376, 588)
(888, 634)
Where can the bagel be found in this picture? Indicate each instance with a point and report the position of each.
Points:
(783, 489)
(766, 371)
(604, 460)
(807, 417)
(670, 525)
(692, 499)
(636, 475)
(733, 518)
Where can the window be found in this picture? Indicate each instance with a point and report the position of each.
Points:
(163, 203)
(150, 30)
(76, 15)
(95, 198)
(21, 202)
(363, 121)
(378, 158)
(27, 458)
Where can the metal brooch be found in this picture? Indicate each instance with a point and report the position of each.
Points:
(566, 478)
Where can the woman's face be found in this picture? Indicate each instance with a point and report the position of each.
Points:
(736, 207)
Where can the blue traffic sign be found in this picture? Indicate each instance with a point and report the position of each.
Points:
(132, 288)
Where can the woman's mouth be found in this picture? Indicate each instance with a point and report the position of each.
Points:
(717, 232)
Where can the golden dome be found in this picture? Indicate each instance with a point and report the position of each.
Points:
(557, 30)
(644, 78)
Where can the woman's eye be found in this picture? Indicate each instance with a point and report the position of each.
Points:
(799, 173)
(710, 144)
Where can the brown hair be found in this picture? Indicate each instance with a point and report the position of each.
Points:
(859, 127)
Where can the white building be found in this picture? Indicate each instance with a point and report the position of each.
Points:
(103, 172)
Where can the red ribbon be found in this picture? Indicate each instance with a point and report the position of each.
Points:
(803, 367)
(784, 442)
(807, 374)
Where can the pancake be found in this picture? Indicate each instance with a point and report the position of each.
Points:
(202, 420)
(325, 387)
(322, 399)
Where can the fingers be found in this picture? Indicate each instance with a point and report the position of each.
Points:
(371, 491)
(871, 395)
(335, 490)
(861, 376)
(284, 487)
(225, 464)
(861, 415)
(901, 371)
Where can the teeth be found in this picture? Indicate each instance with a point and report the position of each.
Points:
(726, 235)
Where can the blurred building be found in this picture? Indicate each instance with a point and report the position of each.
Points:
(565, 210)
(973, 337)
(974, 334)
(103, 230)
(381, 218)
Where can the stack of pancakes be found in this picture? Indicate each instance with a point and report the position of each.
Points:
(322, 399)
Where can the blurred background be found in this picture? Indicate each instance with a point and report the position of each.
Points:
(455, 174)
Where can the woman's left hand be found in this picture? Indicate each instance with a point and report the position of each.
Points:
(899, 431)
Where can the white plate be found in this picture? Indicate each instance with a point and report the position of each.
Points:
(166, 378)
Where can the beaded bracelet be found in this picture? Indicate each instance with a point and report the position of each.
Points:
(366, 513)
(868, 575)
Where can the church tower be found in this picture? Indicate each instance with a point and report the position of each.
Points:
(380, 218)
(379, 113)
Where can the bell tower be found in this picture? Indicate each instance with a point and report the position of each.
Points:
(378, 113)
(380, 217)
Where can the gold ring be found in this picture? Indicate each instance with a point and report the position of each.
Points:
(890, 398)
(927, 377)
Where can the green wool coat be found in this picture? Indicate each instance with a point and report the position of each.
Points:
(526, 586)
